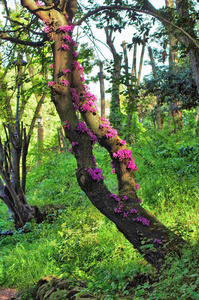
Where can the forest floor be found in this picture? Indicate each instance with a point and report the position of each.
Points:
(7, 294)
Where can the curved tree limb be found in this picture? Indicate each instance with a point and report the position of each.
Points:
(154, 14)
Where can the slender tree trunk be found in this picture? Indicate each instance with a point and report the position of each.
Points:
(102, 91)
(115, 99)
(158, 106)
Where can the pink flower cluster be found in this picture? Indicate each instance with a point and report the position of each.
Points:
(89, 106)
(111, 133)
(66, 28)
(159, 242)
(74, 53)
(96, 173)
(65, 82)
(51, 66)
(65, 47)
(81, 128)
(122, 154)
(73, 144)
(66, 124)
(75, 98)
(47, 29)
(105, 124)
(76, 66)
(123, 213)
(141, 219)
(122, 143)
(39, 3)
(67, 39)
(66, 72)
(51, 83)
(126, 153)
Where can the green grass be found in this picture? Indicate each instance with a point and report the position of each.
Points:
(81, 243)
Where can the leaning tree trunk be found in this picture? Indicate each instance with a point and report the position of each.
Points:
(11, 191)
(69, 94)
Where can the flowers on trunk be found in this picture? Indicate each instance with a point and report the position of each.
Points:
(96, 173)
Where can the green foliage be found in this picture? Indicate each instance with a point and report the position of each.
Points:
(76, 241)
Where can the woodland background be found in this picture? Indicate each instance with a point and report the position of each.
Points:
(157, 115)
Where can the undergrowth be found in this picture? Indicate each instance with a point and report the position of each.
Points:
(79, 242)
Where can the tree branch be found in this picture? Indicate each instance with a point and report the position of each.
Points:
(156, 15)
(3, 36)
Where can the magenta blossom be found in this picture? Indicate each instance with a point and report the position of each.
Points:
(51, 83)
(73, 144)
(66, 72)
(65, 47)
(66, 124)
(65, 82)
(96, 174)
(67, 38)
(75, 53)
(51, 66)
(39, 3)
(47, 29)
(66, 28)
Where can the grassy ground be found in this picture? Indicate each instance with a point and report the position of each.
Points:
(78, 242)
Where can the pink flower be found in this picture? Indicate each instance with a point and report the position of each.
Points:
(50, 66)
(83, 79)
(66, 72)
(137, 186)
(96, 174)
(81, 127)
(51, 83)
(67, 38)
(122, 143)
(74, 43)
(47, 29)
(143, 220)
(73, 144)
(67, 28)
(74, 53)
(131, 164)
(66, 17)
(65, 82)
(65, 47)
(66, 124)
(39, 3)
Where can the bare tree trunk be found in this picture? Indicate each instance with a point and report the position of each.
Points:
(102, 91)
(141, 61)
(158, 106)
(11, 192)
(115, 101)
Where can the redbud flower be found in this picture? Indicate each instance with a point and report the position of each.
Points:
(51, 83)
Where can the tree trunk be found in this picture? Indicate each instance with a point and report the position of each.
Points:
(158, 106)
(102, 91)
(115, 98)
(142, 229)
(11, 191)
